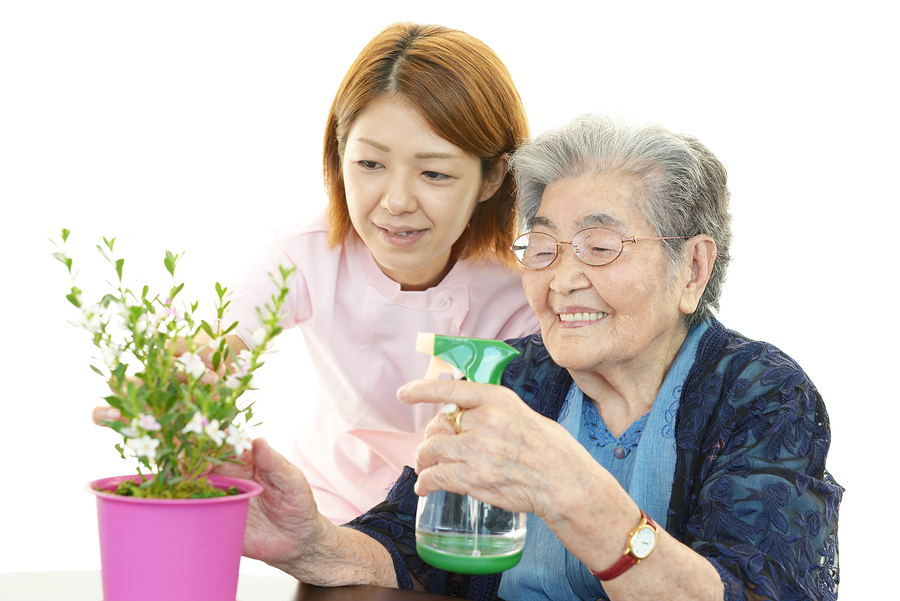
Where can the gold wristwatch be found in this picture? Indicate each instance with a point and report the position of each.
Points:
(641, 542)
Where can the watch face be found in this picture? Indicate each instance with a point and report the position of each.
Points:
(643, 542)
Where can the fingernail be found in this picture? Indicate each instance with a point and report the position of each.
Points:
(402, 392)
(113, 413)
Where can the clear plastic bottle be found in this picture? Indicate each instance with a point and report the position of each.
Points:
(459, 533)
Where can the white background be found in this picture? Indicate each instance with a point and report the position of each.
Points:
(196, 126)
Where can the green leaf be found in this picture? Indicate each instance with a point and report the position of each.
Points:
(117, 402)
(119, 263)
(231, 327)
(98, 371)
(103, 252)
(65, 234)
(220, 291)
(64, 260)
(170, 262)
(109, 243)
(207, 328)
(217, 359)
(108, 298)
(119, 374)
(286, 272)
(167, 418)
(135, 312)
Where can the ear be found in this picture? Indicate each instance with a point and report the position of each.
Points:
(494, 178)
(700, 256)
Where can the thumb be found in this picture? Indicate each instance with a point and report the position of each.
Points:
(273, 470)
(263, 457)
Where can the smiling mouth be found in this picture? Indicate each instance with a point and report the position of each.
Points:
(401, 233)
(582, 316)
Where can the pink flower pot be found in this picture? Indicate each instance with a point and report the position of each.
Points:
(172, 549)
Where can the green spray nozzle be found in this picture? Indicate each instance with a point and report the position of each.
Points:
(477, 359)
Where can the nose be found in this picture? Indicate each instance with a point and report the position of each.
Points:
(400, 195)
(568, 271)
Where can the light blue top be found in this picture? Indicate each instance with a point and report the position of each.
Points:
(643, 465)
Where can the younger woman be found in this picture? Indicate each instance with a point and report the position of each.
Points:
(420, 216)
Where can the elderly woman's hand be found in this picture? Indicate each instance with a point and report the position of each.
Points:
(283, 520)
(508, 455)
(286, 530)
(505, 454)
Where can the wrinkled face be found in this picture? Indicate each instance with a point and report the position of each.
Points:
(619, 314)
(410, 193)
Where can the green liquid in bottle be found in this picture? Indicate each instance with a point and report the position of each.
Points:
(468, 554)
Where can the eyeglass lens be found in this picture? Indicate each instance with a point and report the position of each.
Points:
(594, 246)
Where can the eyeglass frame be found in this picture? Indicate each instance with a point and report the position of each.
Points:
(624, 239)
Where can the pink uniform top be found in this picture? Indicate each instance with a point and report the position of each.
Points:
(360, 330)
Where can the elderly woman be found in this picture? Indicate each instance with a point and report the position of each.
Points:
(659, 454)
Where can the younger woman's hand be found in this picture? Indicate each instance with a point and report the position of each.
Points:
(105, 413)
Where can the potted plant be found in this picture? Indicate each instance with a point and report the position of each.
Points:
(172, 531)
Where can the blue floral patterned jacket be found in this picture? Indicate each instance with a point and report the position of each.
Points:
(750, 492)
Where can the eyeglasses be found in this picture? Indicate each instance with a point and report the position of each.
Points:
(594, 246)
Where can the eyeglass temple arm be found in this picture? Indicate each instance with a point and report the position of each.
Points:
(636, 238)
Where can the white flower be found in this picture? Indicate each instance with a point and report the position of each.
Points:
(239, 440)
(143, 446)
(145, 422)
(117, 326)
(140, 326)
(130, 432)
(192, 364)
(257, 337)
(212, 430)
(124, 307)
(153, 319)
(167, 310)
(90, 322)
(241, 365)
(196, 424)
(232, 381)
(111, 352)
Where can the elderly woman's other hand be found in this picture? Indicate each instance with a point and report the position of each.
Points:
(507, 455)
(286, 530)
(283, 520)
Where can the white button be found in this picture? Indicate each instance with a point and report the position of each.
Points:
(443, 303)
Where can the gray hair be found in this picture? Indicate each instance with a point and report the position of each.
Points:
(681, 184)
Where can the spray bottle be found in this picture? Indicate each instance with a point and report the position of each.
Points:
(459, 533)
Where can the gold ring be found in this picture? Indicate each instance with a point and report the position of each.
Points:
(453, 413)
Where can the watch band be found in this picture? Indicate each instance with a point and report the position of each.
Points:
(628, 558)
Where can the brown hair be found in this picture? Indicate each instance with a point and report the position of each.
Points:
(464, 93)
